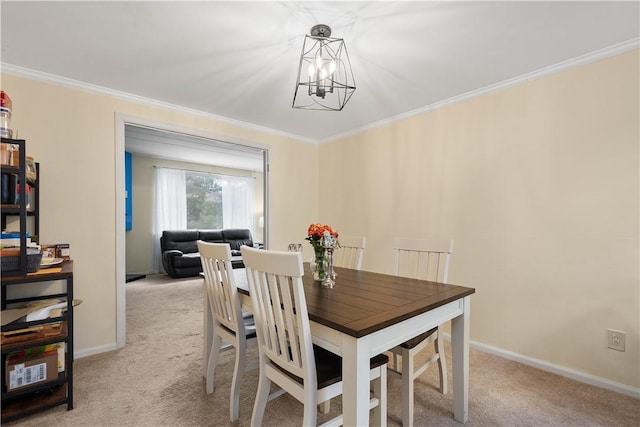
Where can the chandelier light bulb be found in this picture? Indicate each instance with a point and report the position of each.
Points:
(332, 66)
(319, 60)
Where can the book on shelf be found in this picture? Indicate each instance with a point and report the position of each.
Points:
(14, 242)
(12, 238)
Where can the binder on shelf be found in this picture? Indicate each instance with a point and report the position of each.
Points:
(9, 188)
(5, 188)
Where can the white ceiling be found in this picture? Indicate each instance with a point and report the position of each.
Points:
(238, 60)
(188, 148)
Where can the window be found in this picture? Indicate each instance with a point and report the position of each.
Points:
(204, 200)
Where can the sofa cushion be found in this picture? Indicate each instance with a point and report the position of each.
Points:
(211, 236)
(182, 240)
(237, 237)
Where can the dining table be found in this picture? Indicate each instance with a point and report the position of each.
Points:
(367, 313)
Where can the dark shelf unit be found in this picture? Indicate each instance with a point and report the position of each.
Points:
(39, 397)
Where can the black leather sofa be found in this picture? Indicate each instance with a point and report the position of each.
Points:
(180, 257)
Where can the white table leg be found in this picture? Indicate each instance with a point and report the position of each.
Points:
(460, 365)
(355, 377)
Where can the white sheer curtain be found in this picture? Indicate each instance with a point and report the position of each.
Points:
(169, 210)
(238, 209)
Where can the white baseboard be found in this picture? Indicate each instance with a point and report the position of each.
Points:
(94, 350)
(555, 369)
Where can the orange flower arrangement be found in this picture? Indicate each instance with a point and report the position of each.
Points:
(316, 231)
(319, 264)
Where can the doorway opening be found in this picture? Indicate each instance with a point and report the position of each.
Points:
(152, 143)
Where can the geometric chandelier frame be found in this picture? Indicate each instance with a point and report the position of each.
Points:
(325, 78)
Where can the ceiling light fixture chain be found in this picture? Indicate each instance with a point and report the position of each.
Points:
(325, 78)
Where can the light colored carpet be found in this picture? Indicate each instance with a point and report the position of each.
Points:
(157, 380)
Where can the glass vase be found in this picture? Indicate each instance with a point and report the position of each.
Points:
(319, 264)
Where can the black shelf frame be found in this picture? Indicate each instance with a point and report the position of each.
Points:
(45, 395)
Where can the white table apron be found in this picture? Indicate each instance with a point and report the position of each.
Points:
(356, 352)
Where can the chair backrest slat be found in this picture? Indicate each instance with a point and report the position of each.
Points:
(422, 259)
(280, 310)
(350, 253)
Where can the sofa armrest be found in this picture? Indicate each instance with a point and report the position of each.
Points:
(167, 261)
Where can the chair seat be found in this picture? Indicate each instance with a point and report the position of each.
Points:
(413, 342)
(329, 366)
(249, 330)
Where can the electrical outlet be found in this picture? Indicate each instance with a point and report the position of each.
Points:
(616, 339)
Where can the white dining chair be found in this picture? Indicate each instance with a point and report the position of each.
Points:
(429, 260)
(288, 358)
(230, 324)
(350, 252)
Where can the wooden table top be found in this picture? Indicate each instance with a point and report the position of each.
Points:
(363, 302)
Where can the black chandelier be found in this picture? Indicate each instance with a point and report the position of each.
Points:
(325, 79)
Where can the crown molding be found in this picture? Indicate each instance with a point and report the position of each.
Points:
(543, 72)
(88, 87)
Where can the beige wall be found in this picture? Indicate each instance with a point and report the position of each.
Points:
(139, 239)
(71, 133)
(538, 186)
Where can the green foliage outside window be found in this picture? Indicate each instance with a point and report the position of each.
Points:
(204, 201)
